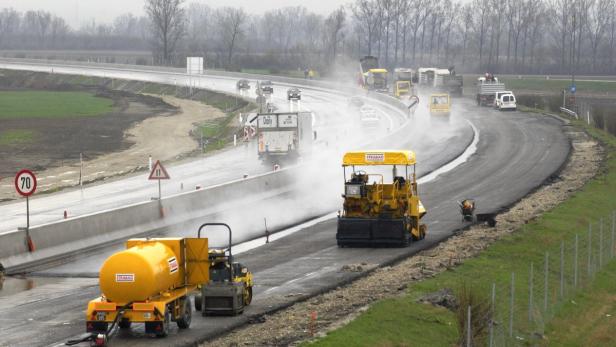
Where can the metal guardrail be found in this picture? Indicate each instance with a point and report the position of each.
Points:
(569, 112)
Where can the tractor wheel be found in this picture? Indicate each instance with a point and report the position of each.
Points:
(185, 316)
(198, 302)
(124, 324)
(247, 296)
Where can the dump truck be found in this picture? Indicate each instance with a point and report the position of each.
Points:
(440, 105)
(487, 87)
(229, 290)
(373, 77)
(376, 212)
(284, 136)
(149, 282)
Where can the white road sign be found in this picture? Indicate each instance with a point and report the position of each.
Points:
(25, 182)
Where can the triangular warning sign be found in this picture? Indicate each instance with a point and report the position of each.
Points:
(158, 172)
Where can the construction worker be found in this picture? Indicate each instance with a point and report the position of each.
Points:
(310, 74)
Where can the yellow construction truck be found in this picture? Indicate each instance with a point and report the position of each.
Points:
(150, 282)
(440, 105)
(403, 83)
(372, 76)
(380, 209)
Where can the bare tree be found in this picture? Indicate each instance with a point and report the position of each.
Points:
(168, 22)
(334, 24)
(231, 28)
(366, 13)
(598, 25)
(9, 24)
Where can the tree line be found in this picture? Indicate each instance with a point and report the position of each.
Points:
(499, 36)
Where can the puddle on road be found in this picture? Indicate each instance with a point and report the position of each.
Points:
(13, 285)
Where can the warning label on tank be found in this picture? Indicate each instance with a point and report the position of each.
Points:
(125, 277)
(375, 157)
(173, 264)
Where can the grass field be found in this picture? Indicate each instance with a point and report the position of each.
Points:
(51, 104)
(551, 86)
(404, 322)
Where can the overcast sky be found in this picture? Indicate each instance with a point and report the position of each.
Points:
(77, 12)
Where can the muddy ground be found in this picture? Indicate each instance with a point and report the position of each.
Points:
(59, 141)
(338, 307)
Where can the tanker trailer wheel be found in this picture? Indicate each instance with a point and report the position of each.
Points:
(247, 296)
(166, 322)
(185, 318)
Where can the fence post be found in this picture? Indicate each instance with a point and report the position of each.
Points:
(468, 327)
(589, 249)
(491, 341)
(601, 244)
(575, 262)
(511, 302)
(530, 294)
(613, 233)
(545, 282)
(562, 268)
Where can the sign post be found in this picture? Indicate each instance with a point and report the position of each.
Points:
(25, 184)
(158, 173)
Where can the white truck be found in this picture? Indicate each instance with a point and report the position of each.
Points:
(284, 136)
(487, 87)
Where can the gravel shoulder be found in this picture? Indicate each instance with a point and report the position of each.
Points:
(338, 307)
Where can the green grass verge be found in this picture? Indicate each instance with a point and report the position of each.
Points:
(16, 137)
(513, 253)
(285, 73)
(540, 84)
(47, 104)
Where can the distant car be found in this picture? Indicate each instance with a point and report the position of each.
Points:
(243, 85)
(355, 102)
(368, 117)
(507, 102)
(265, 87)
(497, 96)
(294, 94)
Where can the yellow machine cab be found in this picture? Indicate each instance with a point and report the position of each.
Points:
(440, 104)
(379, 208)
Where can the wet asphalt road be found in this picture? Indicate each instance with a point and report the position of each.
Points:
(516, 152)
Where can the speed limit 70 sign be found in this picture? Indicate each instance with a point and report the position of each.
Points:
(25, 182)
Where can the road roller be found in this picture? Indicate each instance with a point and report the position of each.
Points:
(229, 290)
(380, 208)
(150, 282)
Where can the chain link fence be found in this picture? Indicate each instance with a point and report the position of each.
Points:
(523, 303)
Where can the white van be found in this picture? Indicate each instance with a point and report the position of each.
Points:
(507, 102)
(497, 96)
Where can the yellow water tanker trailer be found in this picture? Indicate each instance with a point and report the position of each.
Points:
(380, 208)
(150, 282)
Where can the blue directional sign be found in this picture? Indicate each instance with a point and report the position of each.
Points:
(573, 89)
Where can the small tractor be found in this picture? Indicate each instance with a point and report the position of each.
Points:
(229, 290)
(380, 213)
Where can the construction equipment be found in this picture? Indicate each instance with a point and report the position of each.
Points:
(229, 290)
(283, 136)
(373, 77)
(440, 105)
(150, 282)
(487, 87)
(380, 213)
(403, 83)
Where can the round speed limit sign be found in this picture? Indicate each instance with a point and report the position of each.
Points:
(25, 182)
